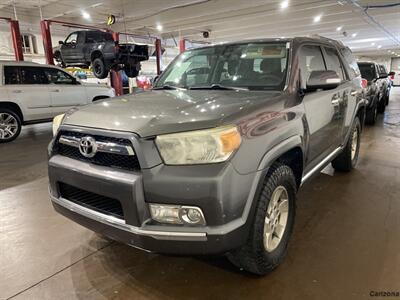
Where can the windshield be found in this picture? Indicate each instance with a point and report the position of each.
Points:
(253, 66)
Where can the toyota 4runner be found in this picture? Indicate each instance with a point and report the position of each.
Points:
(209, 161)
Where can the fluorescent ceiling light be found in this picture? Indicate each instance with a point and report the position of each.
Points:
(339, 28)
(159, 27)
(379, 46)
(372, 44)
(354, 35)
(317, 18)
(85, 15)
(284, 4)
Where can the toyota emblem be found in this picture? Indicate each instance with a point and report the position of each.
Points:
(88, 146)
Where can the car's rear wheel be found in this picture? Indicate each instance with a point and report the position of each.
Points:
(99, 68)
(371, 115)
(273, 223)
(10, 125)
(347, 160)
(382, 105)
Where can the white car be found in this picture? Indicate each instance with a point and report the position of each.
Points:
(34, 93)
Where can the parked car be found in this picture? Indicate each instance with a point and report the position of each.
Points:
(98, 49)
(386, 84)
(33, 93)
(376, 92)
(209, 161)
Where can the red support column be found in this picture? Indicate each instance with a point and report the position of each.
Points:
(48, 47)
(158, 55)
(16, 40)
(116, 82)
(182, 45)
(115, 36)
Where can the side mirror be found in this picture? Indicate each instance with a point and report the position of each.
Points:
(61, 42)
(383, 75)
(322, 80)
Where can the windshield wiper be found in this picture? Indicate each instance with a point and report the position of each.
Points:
(167, 87)
(217, 86)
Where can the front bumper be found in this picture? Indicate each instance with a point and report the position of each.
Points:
(227, 221)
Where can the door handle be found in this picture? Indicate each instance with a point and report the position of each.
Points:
(17, 91)
(55, 91)
(336, 100)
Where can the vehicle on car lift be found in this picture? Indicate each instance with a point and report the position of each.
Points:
(376, 92)
(33, 93)
(210, 160)
(98, 49)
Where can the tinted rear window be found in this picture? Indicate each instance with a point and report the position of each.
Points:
(367, 71)
(11, 75)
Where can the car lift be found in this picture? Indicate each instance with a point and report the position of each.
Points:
(115, 77)
(16, 38)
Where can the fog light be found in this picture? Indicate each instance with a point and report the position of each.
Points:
(174, 214)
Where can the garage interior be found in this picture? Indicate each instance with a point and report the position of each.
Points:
(346, 238)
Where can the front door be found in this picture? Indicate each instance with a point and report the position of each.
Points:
(71, 50)
(65, 91)
(324, 108)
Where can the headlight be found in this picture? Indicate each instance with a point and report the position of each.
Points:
(199, 147)
(57, 122)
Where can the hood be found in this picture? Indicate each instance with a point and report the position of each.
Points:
(159, 112)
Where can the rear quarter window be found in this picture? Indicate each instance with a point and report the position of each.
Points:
(12, 75)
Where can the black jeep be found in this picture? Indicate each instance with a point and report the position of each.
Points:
(98, 49)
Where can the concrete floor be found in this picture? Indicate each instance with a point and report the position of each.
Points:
(346, 240)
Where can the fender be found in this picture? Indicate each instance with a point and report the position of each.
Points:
(279, 149)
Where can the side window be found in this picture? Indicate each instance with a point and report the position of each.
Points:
(72, 38)
(333, 62)
(311, 59)
(348, 56)
(11, 75)
(59, 77)
(90, 37)
(33, 75)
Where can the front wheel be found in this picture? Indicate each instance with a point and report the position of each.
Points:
(10, 125)
(132, 70)
(347, 160)
(273, 223)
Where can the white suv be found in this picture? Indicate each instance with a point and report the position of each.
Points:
(34, 93)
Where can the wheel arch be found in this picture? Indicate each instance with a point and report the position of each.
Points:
(289, 152)
(14, 107)
(100, 97)
(95, 54)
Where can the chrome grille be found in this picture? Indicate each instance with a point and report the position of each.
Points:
(111, 152)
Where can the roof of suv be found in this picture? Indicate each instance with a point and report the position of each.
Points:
(24, 63)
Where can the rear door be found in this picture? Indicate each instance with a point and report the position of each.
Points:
(65, 91)
(322, 107)
(28, 86)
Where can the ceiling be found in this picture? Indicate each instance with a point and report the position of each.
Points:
(372, 30)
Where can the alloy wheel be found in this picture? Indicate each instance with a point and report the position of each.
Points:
(276, 218)
(354, 144)
(8, 126)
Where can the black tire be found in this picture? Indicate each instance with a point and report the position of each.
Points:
(371, 115)
(4, 136)
(381, 105)
(99, 68)
(132, 70)
(387, 98)
(253, 256)
(345, 162)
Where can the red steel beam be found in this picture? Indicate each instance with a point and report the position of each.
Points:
(158, 55)
(47, 45)
(182, 45)
(116, 82)
(16, 40)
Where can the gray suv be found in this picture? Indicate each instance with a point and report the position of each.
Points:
(210, 160)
